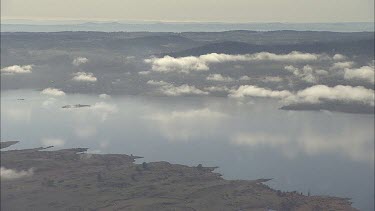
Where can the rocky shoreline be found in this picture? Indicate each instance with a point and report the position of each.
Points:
(71, 179)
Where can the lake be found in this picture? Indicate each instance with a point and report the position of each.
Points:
(324, 153)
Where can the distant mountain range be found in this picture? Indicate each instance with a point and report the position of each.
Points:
(53, 26)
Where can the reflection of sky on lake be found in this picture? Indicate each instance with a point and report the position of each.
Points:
(326, 153)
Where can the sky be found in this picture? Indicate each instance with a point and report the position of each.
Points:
(192, 10)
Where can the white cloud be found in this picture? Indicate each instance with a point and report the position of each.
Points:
(53, 92)
(182, 64)
(315, 94)
(307, 73)
(342, 65)
(157, 83)
(79, 60)
(254, 91)
(348, 94)
(56, 142)
(16, 69)
(245, 78)
(11, 174)
(201, 63)
(104, 96)
(292, 69)
(339, 57)
(219, 77)
(129, 59)
(217, 89)
(321, 72)
(82, 76)
(171, 90)
(365, 73)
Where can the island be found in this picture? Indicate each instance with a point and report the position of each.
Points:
(75, 106)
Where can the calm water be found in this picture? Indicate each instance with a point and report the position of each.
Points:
(321, 152)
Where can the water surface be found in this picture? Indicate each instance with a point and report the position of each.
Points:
(323, 153)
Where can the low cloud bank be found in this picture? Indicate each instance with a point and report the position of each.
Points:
(219, 77)
(348, 94)
(315, 94)
(17, 69)
(170, 89)
(83, 76)
(365, 73)
(53, 92)
(201, 63)
(254, 91)
(306, 73)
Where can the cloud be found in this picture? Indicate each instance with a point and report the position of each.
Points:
(219, 77)
(53, 142)
(217, 89)
(144, 72)
(321, 72)
(79, 60)
(171, 90)
(53, 92)
(16, 69)
(254, 91)
(313, 95)
(157, 83)
(11, 174)
(104, 96)
(342, 65)
(82, 76)
(182, 64)
(201, 63)
(307, 73)
(339, 57)
(244, 78)
(129, 59)
(187, 124)
(348, 94)
(365, 73)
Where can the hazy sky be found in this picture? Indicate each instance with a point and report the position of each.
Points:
(193, 10)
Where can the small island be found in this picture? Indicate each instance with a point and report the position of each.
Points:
(75, 106)
(72, 179)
